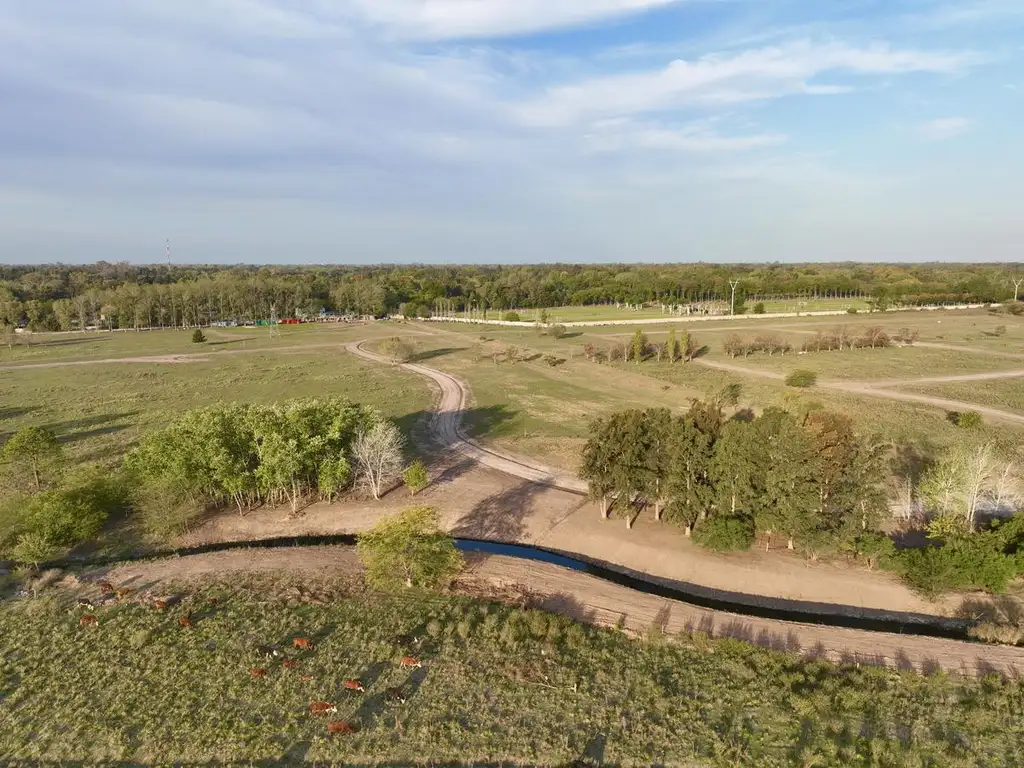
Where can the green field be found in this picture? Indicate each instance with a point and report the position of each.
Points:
(498, 686)
(100, 410)
(1005, 394)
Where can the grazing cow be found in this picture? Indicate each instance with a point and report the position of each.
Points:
(339, 726)
(268, 652)
(321, 708)
(290, 664)
(213, 601)
(303, 643)
(410, 662)
(257, 672)
(124, 592)
(305, 678)
(88, 621)
(87, 604)
(354, 685)
(396, 695)
(185, 622)
(159, 604)
(105, 586)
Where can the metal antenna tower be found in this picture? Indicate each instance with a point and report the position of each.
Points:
(734, 284)
(274, 330)
(1017, 283)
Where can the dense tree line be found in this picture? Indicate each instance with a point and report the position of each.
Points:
(809, 480)
(62, 297)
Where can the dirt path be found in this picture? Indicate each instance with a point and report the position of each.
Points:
(446, 425)
(878, 389)
(589, 599)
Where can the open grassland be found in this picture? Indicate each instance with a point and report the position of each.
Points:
(100, 410)
(653, 383)
(1005, 394)
(497, 685)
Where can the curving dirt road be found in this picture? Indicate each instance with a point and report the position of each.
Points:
(446, 425)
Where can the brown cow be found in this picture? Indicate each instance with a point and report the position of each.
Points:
(339, 726)
(88, 621)
(105, 586)
(186, 622)
(410, 662)
(290, 664)
(257, 672)
(305, 678)
(159, 604)
(354, 685)
(303, 643)
(124, 592)
(321, 708)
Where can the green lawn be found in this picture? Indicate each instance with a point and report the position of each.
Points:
(1005, 394)
(498, 685)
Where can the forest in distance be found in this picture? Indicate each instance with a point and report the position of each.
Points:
(119, 295)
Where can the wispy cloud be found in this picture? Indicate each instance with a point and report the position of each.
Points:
(751, 75)
(944, 128)
(698, 137)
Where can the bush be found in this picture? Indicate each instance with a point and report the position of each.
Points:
(1015, 308)
(759, 308)
(165, 511)
(851, 311)
(33, 549)
(512, 317)
(558, 331)
(725, 534)
(197, 336)
(409, 550)
(416, 477)
(802, 379)
(967, 419)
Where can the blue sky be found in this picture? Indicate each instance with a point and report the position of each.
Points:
(309, 131)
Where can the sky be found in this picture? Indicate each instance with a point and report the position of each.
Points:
(506, 131)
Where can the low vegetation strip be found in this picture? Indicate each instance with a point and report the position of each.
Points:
(483, 682)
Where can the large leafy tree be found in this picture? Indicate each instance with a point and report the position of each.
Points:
(598, 463)
(31, 459)
(409, 550)
(689, 490)
(790, 476)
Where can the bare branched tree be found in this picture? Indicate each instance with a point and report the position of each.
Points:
(378, 455)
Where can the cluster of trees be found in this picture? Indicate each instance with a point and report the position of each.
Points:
(823, 341)
(810, 480)
(45, 507)
(244, 455)
(679, 347)
(61, 297)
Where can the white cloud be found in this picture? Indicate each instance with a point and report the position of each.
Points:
(444, 19)
(751, 75)
(944, 128)
(624, 135)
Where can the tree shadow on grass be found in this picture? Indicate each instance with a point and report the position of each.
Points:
(501, 516)
(13, 413)
(423, 444)
(430, 354)
(90, 426)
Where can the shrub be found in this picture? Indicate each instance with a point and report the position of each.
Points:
(1015, 308)
(802, 379)
(977, 561)
(34, 548)
(967, 419)
(64, 518)
(512, 317)
(725, 534)
(851, 311)
(759, 308)
(416, 477)
(409, 550)
(553, 360)
(197, 336)
(558, 331)
(164, 510)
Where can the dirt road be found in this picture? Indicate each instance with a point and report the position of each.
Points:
(878, 388)
(446, 425)
(586, 598)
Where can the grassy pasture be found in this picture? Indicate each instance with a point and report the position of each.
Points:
(1005, 394)
(499, 685)
(100, 410)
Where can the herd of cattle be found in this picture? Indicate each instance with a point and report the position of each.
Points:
(300, 644)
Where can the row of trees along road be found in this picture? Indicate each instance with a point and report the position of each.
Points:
(810, 480)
